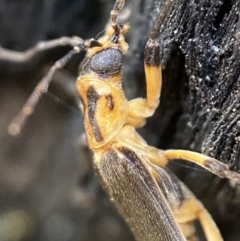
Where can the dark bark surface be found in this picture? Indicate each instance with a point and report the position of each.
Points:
(44, 175)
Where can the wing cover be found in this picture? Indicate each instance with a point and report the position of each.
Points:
(137, 197)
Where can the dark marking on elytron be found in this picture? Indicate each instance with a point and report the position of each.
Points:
(134, 161)
(130, 155)
(170, 180)
(110, 103)
(138, 189)
(92, 98)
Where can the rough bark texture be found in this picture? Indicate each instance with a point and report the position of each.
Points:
(42, 172)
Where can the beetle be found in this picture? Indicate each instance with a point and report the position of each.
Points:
(153, 202)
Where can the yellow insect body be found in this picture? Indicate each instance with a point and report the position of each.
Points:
(154, 203)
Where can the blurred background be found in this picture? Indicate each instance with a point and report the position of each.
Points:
(48, 190)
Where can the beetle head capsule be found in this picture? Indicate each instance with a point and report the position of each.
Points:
(107, 63)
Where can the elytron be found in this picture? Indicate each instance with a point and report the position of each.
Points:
(154, 203)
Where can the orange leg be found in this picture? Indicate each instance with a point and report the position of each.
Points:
(161, 158)
(192, 209)
(128, 135)
(143, 108)
(189, 231)
(185, 207)
(216, 167)
(139, 109)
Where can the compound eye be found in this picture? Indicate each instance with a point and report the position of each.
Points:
(107, 63)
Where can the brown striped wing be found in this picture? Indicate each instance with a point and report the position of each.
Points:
(137, 196)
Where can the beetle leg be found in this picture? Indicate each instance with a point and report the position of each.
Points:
(184, 205)
(192, 209)
(140, 109)
(189, 231)
(136, 122)
(143, 108)
(216, 167)
(161, 158)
